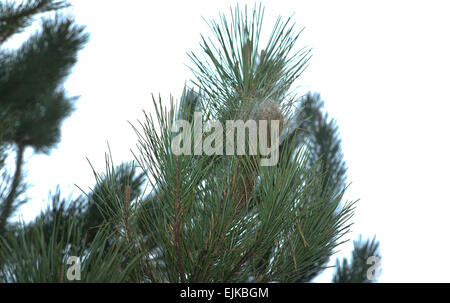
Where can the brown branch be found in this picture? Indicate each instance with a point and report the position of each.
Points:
(61, 274)
(305, 243)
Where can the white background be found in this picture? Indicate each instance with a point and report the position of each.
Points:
(382, 68)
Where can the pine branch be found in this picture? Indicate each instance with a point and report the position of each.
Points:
(230, 70)
(15, 17)
(211, 225)
(34, 254)
(33, 95)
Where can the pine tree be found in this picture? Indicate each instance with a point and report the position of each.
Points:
(209, 217)
(33, 102)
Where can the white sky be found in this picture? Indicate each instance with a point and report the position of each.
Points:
(381, 68)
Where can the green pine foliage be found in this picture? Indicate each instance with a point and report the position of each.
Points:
(324, 146)
(356, 269)
(15, 17)
(33, 102)
(184, 218)
(32, 94)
